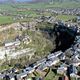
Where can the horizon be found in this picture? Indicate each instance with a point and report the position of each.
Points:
(24, 0)
(16, 0)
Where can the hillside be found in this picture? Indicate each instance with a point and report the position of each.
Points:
(56, 0)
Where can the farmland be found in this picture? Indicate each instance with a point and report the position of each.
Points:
(65, 17)
(5, 19)
(10, 11)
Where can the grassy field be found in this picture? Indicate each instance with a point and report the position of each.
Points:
(65, 17)
(9, 19)
(6, 20)
(41, 44)
(12, 8)
(63, 5)
(25, 5)
(26, 12)
(7, 7)
(47, 5)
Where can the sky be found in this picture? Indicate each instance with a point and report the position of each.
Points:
(18, 0)
(24, 0)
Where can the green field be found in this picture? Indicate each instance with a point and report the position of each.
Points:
(13, 10)
(47, 5)
(7, 7)
(39, 5)
(65, 17)
(5, 19)
(63, 5)
(9, 19)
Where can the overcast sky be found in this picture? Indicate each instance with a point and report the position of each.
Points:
(17, 0)
(23, 0)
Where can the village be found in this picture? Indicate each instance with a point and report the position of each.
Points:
(69, 60)
(39, 43)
